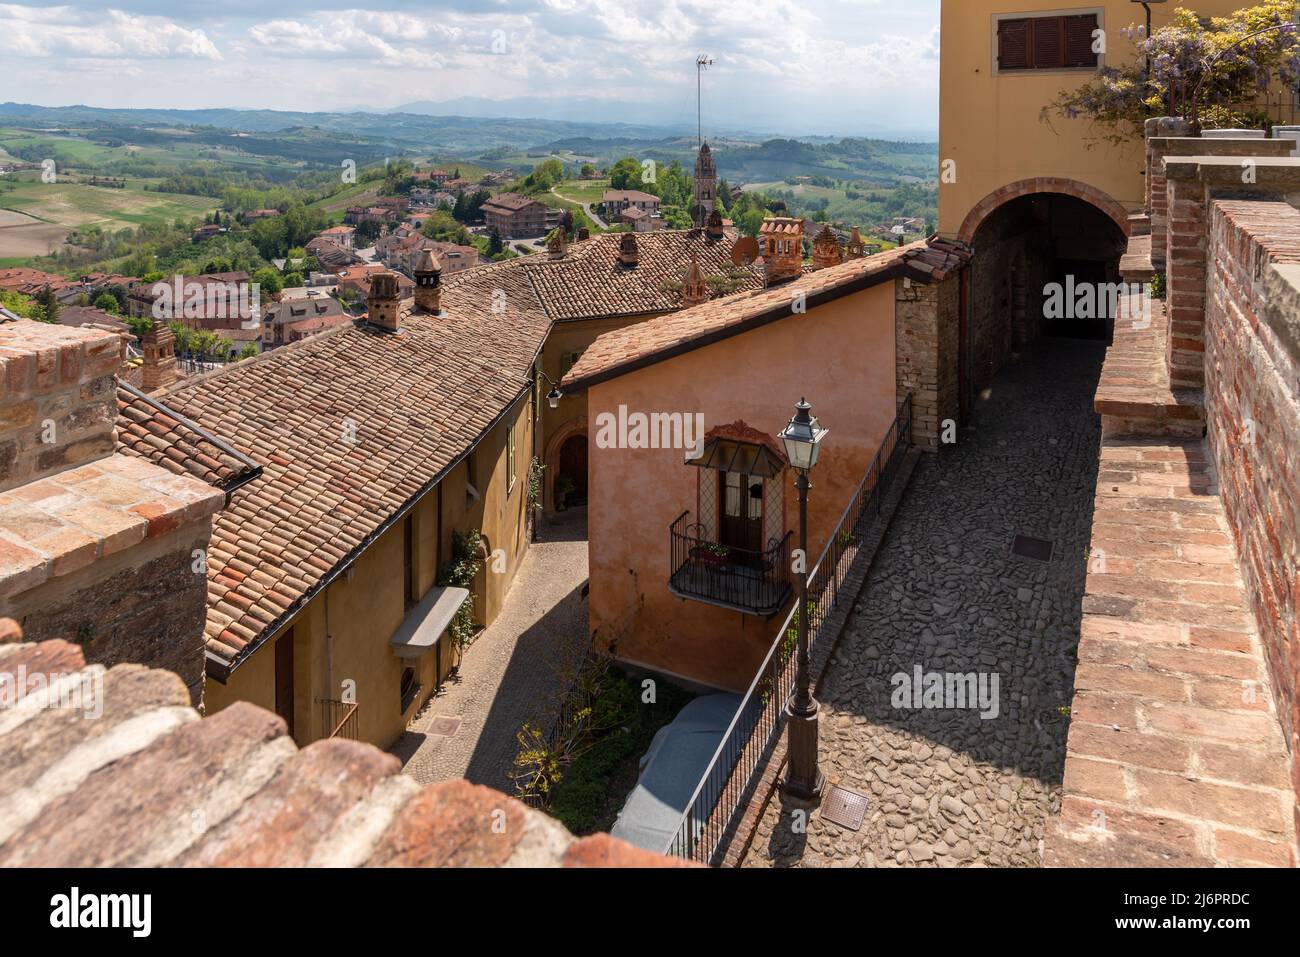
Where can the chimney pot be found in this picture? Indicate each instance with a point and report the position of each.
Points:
(428, 283)
(159, 369)
(628, 253)
(383, 300)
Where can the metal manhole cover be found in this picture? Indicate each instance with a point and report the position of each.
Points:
(1037, 549)
(844, 807)
(444, 726)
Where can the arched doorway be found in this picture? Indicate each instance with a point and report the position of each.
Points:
(1046, 265)
(571, 472)
(555, 443)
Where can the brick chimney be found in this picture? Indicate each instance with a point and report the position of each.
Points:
(558, 244)
(428, 283)
(713, 225)
(781, 242)
(694, 289)
(628, 254)
(58, 405)
(826, 249)
(855, 248)
(159, 369)
(384, 299)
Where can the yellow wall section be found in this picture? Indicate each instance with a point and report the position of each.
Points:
(342, 634)
(989, 124)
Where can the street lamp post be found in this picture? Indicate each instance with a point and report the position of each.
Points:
(803, 779)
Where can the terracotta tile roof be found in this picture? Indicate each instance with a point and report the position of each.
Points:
(419, 401)
(415, 402)
(148, 429)
(661, 338)
(628, 196)
(590, 281)
(510, 202)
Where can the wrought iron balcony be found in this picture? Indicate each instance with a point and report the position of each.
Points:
(750, 582)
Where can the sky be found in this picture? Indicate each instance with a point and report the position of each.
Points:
(833, 67)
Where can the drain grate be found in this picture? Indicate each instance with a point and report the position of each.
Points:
(1035, 549)
(444, 725)
(844, 807)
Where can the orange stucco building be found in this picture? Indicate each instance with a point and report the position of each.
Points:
(691, 548)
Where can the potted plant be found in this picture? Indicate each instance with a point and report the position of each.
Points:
(710, 554)
(563, 488)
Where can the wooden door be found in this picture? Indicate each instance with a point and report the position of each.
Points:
(284, 678)
(573, 463)
(741, 500)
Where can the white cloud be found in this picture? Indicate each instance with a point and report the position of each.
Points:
(69, 33)
(780, 66)
(390, 38)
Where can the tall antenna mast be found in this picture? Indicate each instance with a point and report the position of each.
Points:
(702, 62)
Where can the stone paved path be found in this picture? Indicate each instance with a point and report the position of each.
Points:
(946, 787)
(513, 672)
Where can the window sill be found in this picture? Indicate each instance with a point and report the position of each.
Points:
(1048, 71)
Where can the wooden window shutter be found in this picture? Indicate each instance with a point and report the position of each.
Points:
(1048, 43)
(1079, 40)
(1013, 45)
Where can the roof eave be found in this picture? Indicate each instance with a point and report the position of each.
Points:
(779, 311)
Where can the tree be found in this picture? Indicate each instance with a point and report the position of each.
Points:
(46, 306)
(588, 171)
(1209, 73)
(625, 174)
(494, 242)
(269, 280)
(107, 302)
(182, 336)
(442, 227)
(248, 351)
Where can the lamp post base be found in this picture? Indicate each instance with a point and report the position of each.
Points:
(803, 778)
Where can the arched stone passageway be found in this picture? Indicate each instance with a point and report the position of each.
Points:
(1046, 265)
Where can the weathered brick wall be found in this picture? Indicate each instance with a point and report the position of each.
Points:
(1185, 292)
(1252, 398)
(57, 398)
(154, 785)
(146, 606)
(926, 325)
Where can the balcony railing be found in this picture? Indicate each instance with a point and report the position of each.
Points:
(338, 719)
(710, 818)
(752, 582)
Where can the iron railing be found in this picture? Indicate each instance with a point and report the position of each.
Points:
(338, 719)
(726, 785)
(753, 582)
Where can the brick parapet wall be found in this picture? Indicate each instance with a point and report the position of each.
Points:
(1185, 289)
(1252, 369)
(110, 556)
(1195, 181)
(57, 398)
(152, 784)
(1159, 148)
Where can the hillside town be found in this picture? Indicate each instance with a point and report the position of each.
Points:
(524, 517)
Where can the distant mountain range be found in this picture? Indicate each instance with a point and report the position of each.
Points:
(324, 138)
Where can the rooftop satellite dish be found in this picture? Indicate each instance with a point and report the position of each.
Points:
(745, 251)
